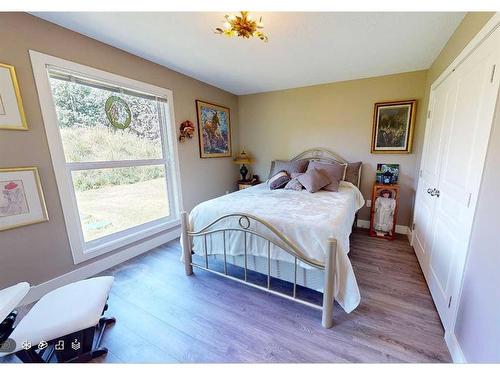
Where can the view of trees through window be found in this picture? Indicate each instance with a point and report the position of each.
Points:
(111, 199)
(80, 112)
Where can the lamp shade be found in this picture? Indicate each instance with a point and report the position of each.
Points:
(242, 158)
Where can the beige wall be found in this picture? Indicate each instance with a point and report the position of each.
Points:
(337, 116)
(37, 253)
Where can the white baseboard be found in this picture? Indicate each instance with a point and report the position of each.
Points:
(454, 347)
(401, 229)
(37, 291)
(410, 236)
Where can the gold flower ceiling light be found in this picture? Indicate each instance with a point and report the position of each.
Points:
(243, 25)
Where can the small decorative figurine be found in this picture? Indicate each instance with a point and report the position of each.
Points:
(186, 130)
(387, 177)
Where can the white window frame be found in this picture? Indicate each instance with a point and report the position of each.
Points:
(80, 249)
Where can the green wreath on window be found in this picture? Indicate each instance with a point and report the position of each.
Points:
(118, 112)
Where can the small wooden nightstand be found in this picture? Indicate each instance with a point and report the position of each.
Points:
(246, 184)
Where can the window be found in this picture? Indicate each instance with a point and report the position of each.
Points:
(111, 143)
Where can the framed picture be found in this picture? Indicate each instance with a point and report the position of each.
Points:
(11, 106)
(21, 198)
(393, 124)
(387, 173)
(214, 130)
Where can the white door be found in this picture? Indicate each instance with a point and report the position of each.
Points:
(464, 105)
(439, 107)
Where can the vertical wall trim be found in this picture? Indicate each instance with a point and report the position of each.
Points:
(454, 347)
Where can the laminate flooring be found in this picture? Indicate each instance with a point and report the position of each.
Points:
(164, 316)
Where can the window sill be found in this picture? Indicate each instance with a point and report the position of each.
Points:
(124, 240)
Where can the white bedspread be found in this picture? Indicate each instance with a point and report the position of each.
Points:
(306, 219)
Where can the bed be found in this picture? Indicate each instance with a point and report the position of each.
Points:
(295, 236)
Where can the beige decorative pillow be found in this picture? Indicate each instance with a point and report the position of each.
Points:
(352, 173)
(334, 171)
(295, 166)
(314, 179)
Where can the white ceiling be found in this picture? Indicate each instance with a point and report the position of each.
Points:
(303, 49)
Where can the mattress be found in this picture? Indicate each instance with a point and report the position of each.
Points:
(308, 220)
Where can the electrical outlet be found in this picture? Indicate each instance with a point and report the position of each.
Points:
(368, 203)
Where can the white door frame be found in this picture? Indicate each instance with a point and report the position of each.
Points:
(482, 35)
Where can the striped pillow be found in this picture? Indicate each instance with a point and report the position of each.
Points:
(279, 180)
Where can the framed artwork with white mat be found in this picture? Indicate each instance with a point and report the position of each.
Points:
(21, 198)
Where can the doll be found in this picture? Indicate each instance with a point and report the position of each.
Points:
(385, 207)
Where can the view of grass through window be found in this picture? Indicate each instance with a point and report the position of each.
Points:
(111, 199)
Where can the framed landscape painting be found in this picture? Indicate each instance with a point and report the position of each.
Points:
(214, 130)
(11, 106)
(21, 198)
(393, 124)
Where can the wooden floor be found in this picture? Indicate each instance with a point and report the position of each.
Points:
(164, 316)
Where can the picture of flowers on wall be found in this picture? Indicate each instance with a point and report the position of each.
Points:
(214, 130)
(393, 124)
(21, 198)
(13, 198)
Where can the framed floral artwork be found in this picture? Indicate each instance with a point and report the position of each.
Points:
(214, 130)
(393, 125)
(21, 198)
(11, 106)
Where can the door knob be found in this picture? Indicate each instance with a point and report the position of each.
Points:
(434, 192)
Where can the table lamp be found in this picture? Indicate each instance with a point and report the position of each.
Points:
(243, 159)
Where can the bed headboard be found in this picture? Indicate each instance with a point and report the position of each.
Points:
(324, 155)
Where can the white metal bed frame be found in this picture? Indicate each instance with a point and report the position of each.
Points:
(276, 238)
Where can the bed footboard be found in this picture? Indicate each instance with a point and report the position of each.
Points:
(225, 224)
(187, 253)
(328, 288)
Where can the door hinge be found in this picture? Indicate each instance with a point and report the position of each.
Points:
(420, 173)
(493, 73)
(468, 200)
(429, 114)
(449, 302)
(413, 226)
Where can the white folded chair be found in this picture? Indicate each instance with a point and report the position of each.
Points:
(65, 323)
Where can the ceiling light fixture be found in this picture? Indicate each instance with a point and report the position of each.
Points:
(243, 25)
